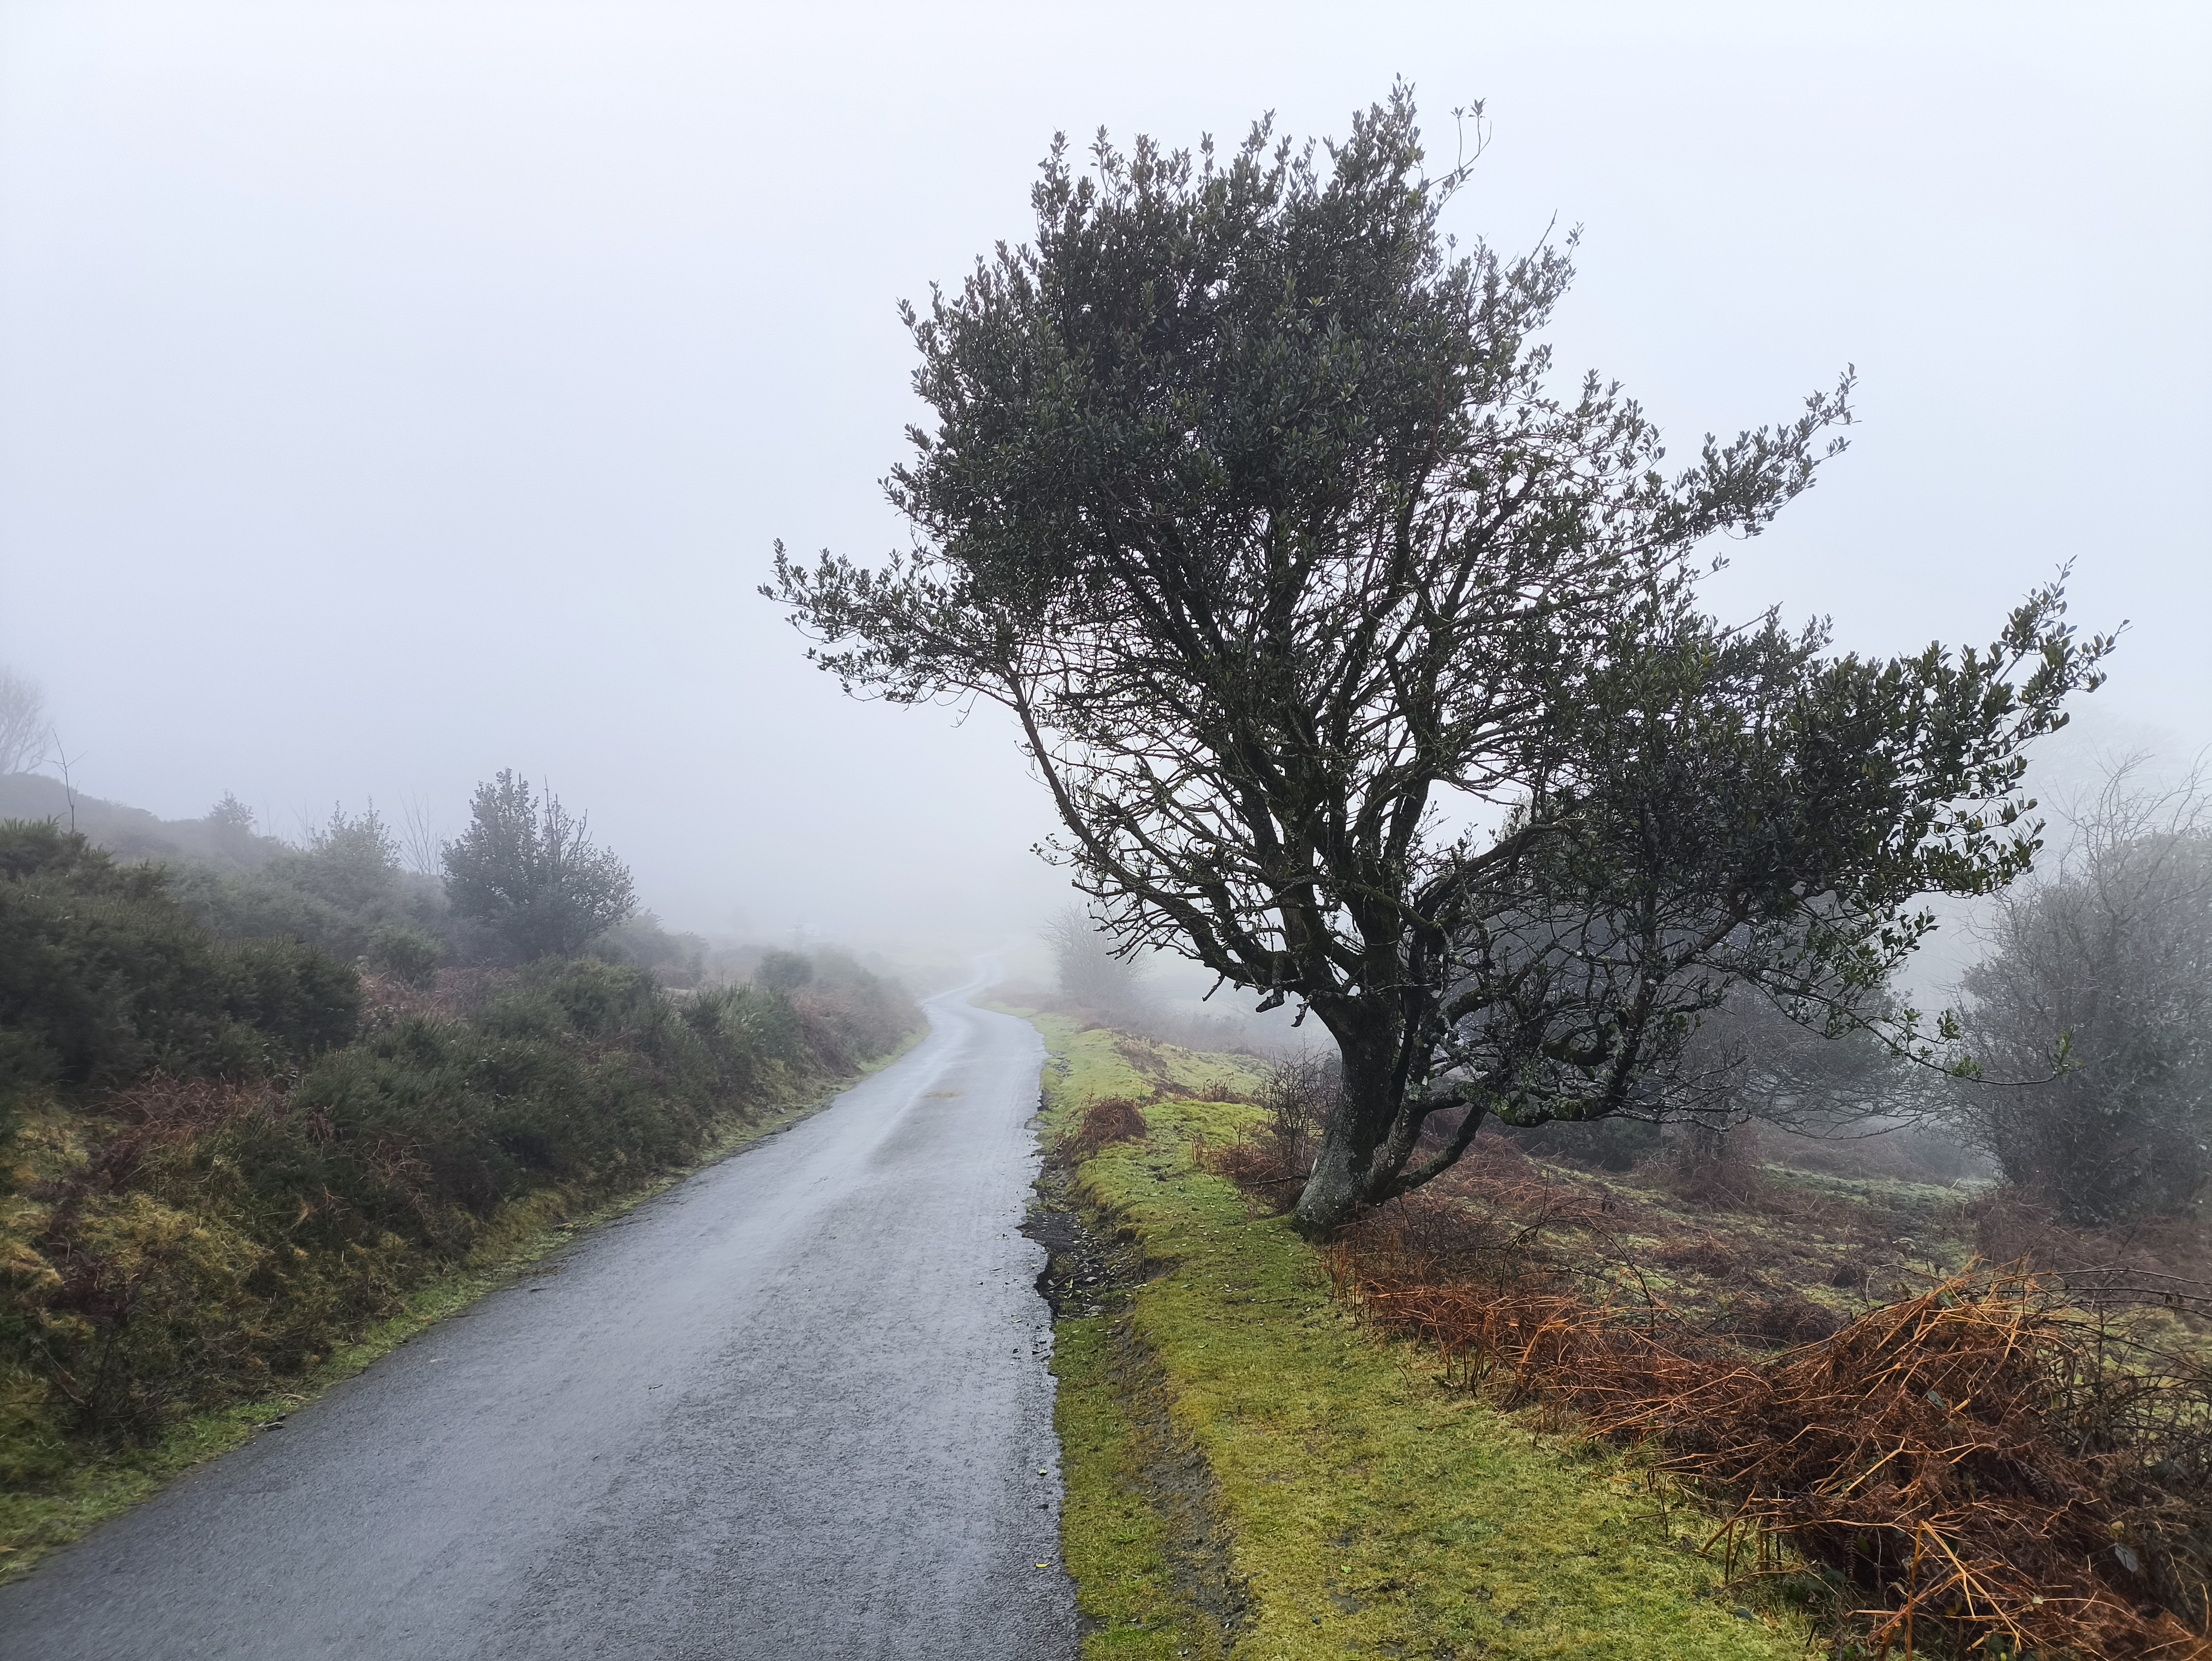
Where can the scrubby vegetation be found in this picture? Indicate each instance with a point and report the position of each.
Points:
(1874, 1407)
(342, 891)
(349, 887)
(107, 978)
(1923, 1351)
(1979, 1459)
(1907, 1442)
(227, 1158)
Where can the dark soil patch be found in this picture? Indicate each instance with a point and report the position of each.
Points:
(1088, 1269)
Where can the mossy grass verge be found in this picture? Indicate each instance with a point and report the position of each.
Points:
(1119, 1536)
(1366, 1510)
(104, 1483)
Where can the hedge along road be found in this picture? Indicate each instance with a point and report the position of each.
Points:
(795, 1406)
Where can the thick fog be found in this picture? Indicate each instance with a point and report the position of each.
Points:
(392, 393)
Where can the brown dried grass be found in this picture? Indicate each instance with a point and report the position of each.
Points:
(1269, 1178)
(1982, 1467)
(160, 1112)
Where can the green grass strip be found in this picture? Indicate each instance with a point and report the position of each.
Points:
(1369, 1511)
(1115, 1539)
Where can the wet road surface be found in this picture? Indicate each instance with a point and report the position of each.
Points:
(794, 1407)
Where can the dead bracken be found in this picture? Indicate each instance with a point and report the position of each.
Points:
(1982, 1465)
(1117, 1119)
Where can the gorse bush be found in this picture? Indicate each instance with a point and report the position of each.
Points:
(104, 977)
(785, 971)
(343, 893)
(411, 955)
(579, 1074)
(297, 1000)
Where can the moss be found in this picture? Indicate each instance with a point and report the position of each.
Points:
(1369, 1510)
(1114, 1538)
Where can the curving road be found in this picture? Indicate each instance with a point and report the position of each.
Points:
(796, 1407)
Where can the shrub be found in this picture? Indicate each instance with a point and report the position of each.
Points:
(1615, 1144)
(1298, 1095)
(265, 906)
(641, 942)
(749, 1030)
(304, 1000)
(352, 864)
(784, 971)
(104, 977)
(409, 955)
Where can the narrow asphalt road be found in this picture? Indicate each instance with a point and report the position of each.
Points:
(796, 1407)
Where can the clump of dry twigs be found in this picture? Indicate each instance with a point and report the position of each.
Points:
(1983, 1468)
(1114, 1119)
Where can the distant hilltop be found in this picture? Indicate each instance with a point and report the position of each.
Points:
(133, 833)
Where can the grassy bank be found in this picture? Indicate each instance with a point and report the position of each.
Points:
(1250, 1472)
(103, 1479)
(231, 1170)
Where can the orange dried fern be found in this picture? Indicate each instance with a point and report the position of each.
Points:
(1980, 1460)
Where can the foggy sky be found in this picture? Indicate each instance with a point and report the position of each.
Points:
(391, 393)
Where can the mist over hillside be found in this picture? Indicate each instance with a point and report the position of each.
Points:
(1146, 833)
(401, 388)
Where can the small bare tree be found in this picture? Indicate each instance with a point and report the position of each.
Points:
(419, 844)
(25, 735)
(1090, 970)
(1298, 1094)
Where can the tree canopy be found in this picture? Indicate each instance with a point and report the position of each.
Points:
(24, 735)
(1364, 663)
(2106, 963)
(529, 871)
(1088, 969)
